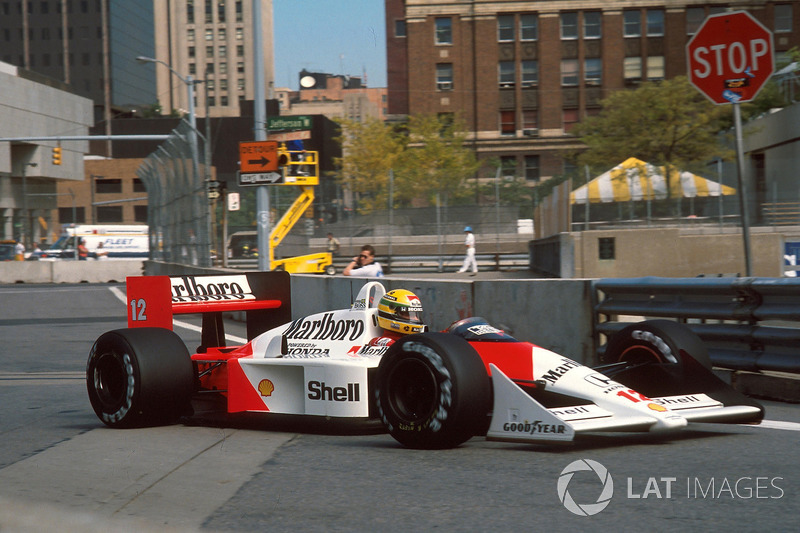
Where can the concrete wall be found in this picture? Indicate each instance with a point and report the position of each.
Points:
(69, 271)
(666, 252)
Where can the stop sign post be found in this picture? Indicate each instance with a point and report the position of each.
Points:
(730, 57)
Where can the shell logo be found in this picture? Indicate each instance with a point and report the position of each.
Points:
(656, 407)
(265, 387)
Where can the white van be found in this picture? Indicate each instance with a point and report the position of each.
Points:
(118, 242)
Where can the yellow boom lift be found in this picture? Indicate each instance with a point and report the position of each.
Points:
(300, 169)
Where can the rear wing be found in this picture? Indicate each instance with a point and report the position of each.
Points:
(264, 297)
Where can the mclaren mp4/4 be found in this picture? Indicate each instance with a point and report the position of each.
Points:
(431, 389)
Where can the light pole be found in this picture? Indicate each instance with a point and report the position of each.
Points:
(190, 83)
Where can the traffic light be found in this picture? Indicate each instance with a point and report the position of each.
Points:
(283, 156)
(57, 155)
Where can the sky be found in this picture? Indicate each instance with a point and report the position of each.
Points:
(333, 36)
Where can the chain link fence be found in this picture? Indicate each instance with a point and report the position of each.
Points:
(178, 209)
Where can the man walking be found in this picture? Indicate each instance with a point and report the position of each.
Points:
(469, 259)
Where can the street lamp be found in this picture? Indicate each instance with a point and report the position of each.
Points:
(188, 80)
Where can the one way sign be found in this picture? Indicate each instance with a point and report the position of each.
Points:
(258, 156)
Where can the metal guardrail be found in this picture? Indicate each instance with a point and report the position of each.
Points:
(750, 324)
(408, 264)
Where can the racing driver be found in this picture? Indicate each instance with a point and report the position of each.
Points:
(399, 313)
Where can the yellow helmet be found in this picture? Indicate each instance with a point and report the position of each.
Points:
(401, 311)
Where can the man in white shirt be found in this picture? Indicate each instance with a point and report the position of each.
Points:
(364, 264)
(469, 259)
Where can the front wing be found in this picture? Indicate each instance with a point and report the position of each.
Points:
(519, 417)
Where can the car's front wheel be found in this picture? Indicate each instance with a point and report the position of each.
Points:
(432, 391)
(139, 377)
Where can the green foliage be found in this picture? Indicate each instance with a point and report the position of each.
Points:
(427, 155)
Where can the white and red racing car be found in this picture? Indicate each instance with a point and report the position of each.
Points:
(431, 390)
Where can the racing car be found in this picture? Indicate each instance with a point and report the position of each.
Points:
(431, 390)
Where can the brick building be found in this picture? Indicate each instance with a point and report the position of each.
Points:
(522, 73)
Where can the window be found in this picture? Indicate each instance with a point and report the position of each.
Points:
(240, 67)
(209, 51)
(530, 121)
(593, 71)
(212, 102)
(239, 15)
(444, 30)
(222, 34)
(506, 73)
(632, 68)
(508, 123)
(223, 84)
(694, 17)
(655, 68)
(240, 84)
(140, 213)
(783, 18)
(209, 12)
(400, 28)
(569, 25)
(107, 186)
(222, 50)
(655, 22)
(65, 215)
(444, 76)
(632, 22)
(592, 25)
(508, 166)
(569, 118)
(528, 27)
(223, 68)
(192, 69)
(239, 50)
(209, 34)
(530, 73)
(505, 28)
(239, 34)
(190, 11)
(532, 167)
(569, 72)
(109, 213)
(605, 248)
(190, 35)
(221, 11)
(223, 100)
(209, 68)
(138, 186)
(191, 52)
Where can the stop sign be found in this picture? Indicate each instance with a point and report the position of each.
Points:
(730, 57)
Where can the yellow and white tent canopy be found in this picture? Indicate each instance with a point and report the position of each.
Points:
(635, 180)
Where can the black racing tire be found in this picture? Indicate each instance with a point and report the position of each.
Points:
(140, 377)
(656, 341)
(432, 391)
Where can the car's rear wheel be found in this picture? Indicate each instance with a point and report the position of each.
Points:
(139, 377)
(656, 341)
(432, 391)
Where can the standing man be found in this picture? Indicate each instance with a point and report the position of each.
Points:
(364, 264)
(333, 244)
(469, 259)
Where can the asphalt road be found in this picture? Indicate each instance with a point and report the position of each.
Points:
(61, 469)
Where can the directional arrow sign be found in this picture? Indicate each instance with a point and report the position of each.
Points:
(261, 178)
(258, 156)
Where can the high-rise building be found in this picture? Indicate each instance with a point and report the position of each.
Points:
(212, 41)
(90, 45)
(521, 74)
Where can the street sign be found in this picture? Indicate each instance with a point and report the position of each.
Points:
(300, 122)
(233, 201)
(258, 156)
(290, 136)
(261, 178)
(730, 57)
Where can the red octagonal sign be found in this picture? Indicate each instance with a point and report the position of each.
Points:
(730, 57)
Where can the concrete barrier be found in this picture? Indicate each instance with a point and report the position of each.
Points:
(552, 313)
(69, 271)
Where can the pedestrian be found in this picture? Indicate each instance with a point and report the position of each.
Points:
(364, 264)
(333, 244)
(101, 253)
(469, 259)
(19, 251)
(83, 251)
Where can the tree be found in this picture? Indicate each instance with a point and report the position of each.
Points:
(436, 160)
(369, 151)
(668, 124)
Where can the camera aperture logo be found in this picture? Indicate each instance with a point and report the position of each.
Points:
(585, 509)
